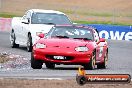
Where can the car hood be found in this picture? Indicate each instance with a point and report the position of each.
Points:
(54, 42)
(40, 28)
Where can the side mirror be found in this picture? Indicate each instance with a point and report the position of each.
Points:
(102, 40)
(25, 21)
(41, 35)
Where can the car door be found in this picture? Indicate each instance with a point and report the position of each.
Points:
(25, 28)
(17, 30)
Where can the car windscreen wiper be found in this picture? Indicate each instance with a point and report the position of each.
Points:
(83, 38)
(49, 23)
(62, 36)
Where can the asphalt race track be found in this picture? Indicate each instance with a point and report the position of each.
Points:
(120, 62)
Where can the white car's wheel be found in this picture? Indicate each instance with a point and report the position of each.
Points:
(12, 40)
(29, 43)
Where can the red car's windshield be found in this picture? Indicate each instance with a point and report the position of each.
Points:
(71, 32)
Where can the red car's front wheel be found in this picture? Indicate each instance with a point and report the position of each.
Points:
(50, 65)
(92, 63)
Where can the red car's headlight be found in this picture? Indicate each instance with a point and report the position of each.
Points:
(81, 49)
(39, 45)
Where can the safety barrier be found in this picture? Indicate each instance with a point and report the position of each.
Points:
(113, 32)
(5, 24)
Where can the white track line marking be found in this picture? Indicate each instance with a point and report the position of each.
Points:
(36, 78)
(47, 78)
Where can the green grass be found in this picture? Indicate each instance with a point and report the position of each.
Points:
(9, 15)
(99, 22)
(99, 14)
(67, 11)
(96, 14)
(87, 13)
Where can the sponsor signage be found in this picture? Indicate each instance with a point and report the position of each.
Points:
(113, 32)
(83, 78)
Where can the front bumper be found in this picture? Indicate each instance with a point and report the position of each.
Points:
(73, 57)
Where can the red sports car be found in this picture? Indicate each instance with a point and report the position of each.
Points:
(70, 45)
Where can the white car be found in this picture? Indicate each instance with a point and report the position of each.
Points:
(35, 21)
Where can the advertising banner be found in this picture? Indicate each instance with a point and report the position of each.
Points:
(113, 32)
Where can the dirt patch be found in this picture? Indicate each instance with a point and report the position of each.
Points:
(73, 5)
(71, 83)
(4, 57)
(102, 10)
(10, 61)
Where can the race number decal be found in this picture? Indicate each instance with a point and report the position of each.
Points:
(101, 51)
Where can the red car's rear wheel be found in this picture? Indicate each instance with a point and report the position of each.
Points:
(104, 64)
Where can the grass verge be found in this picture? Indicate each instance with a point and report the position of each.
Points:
(99, 14)
(99, 22)
(9, 15)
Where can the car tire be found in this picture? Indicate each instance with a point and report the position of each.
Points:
(36, 64)
(50, 65)
(104, 64)
(29, 43)
(12, 40)
(92, 63)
